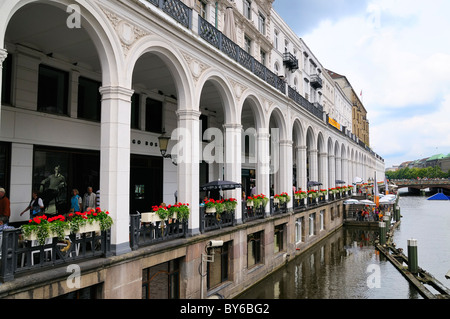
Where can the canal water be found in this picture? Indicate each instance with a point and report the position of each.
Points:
(347, 266)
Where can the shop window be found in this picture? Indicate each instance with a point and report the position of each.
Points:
(135, 111)
(162, 281)
(89, 99)
(7, 80)
(218, 271)
(254, 249)
(278, 241)
(154, 116)
(53, 90)
(56, 171)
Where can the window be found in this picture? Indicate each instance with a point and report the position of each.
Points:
(263, 57)
(248, 45)
(248, 9)
(254, 249)
(299, 224)
(7, 80)
(89, 99)
(262, 23)
(53, 90)
(162, 281)
(278, 241)
(153, 116)
(312, 221)
(135, 111)
(275, 40)
(202, 5)
(218, 271)
(322, 220)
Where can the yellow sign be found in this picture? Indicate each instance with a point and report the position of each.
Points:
(334, 123)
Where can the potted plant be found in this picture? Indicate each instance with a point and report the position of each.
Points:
(210, 205)
(37, 229)
(183, 212)
(59, 227)
(260, 200)
(220, 206)
(300, 194)
(161, 211)
(40, 228)
(250, 201)
(103, 218)
(282, 198)
(230, 204)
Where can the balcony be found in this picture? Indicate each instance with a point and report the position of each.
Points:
(316, 82)
(290, 61)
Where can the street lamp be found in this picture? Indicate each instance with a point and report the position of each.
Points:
(163, 145)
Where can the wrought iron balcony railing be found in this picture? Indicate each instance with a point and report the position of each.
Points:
(290, 61)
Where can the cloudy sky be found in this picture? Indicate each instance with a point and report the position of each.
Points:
(397, 52)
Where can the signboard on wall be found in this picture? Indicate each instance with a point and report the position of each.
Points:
(334, 123)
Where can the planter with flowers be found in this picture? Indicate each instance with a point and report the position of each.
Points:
(210, 206)
(230, 204)
(40, 228)
(312, 195)
(91, 221)
(183, 211)
(300, 197)
(260, 200)
(282, 198)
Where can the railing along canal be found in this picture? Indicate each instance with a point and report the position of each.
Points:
(21, 256)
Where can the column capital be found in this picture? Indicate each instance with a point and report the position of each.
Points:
(110, 92)
(232, 126)
(188, 114)
(286, 143)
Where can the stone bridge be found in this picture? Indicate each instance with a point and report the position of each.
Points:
(421, 184)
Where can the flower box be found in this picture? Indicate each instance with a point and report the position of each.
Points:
(276, 200)
(150, 218)
(34, 235)
(210, 210)
(250, 204)
(94, 227)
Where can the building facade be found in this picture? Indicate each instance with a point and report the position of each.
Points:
(89, 86)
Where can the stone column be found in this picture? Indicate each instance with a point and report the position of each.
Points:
(188, 159)
(302, 168)
(115, 163)
(285, 169)
(332, 172)
(338, 167)
(313, 165)
(323, 173)
(263, 164)
(233, 164)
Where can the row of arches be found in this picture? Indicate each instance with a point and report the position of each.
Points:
(129, 53)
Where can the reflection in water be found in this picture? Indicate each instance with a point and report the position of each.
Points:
(347, 266)
(344, 266)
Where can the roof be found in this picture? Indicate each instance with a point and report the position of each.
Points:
(436, 157)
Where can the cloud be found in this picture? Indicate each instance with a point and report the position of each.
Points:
(398, 54)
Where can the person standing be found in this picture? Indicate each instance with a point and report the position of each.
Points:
(89, 200)
(75, 202)
(36, 206)
(5, 207)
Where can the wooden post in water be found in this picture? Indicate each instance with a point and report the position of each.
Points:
(413, 264)
(382, 227)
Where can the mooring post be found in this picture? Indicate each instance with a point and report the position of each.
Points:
(413, 265)
(382, 227)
